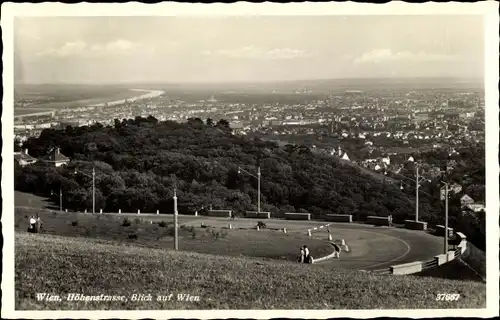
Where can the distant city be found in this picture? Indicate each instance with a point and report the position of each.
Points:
(362, 126)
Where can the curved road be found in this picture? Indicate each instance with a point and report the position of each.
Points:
(372, 247)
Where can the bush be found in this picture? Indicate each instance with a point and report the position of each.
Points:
(74, 223)
(261, 224)
(163, 224)
(126, 222)
(171, 231)
(193, 233)
(132, 236)
(187, 228)
(137, 221)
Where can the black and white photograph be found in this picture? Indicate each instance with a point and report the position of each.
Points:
(302, 160)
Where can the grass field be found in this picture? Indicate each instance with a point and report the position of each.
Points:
(92, 267)
(242, 241)
(241, 268)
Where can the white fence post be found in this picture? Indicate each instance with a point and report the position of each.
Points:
(138, 211)
(100, 211)
(157, 211)
(119, 211)
(309, 232)
(284, 230)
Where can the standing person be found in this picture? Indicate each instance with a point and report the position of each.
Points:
(38, 224)
(32, 224)
(306, 254)
(390, 220)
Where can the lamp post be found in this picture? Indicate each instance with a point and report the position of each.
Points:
(60, 198)
(93, 185)
(446, 188)
(418, 180)
(176, 231)
(258, 183)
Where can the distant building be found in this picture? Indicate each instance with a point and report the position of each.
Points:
(345, 157)
(23, 158)
(466, 200)
(476, 207)
(456, 188)
(386, 160)
(56, 157)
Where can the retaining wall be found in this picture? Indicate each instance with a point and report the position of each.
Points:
(407, 268)
(219, 213)
(415, 225)
(297, 216)
(258, 215)
(378, 221)
(440, 230)
(338, 217)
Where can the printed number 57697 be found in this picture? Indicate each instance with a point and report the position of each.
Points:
(448, 296)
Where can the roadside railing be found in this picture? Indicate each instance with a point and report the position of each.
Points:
(439, 260)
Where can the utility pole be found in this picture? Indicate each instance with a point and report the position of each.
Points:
(176, 231)
(93, 189)
(60, 199)
(258, 176)
(416, 195)
(258, 189)
(446, 218)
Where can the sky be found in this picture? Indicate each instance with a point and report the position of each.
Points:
(248, 49)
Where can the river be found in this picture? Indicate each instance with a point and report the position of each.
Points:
(150, 94)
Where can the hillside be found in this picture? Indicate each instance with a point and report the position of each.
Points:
(41, 262)
(139, 161)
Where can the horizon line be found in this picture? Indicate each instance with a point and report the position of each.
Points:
(455, 78)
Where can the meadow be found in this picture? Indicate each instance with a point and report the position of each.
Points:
(157, 232)
(94, 267)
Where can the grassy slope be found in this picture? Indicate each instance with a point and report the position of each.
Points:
(265, 243)
(94, 268)
(471, 266)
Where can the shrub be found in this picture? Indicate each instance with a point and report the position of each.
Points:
(170, 231)
(163, 224)
(74, 223)
(132, 236)
(137, 221)
(187, 228)
(223, 233)
(261, 224)
(126, 222)
(193, 233)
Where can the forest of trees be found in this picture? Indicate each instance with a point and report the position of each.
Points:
(139, 162)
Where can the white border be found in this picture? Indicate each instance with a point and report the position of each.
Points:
(488, 9)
